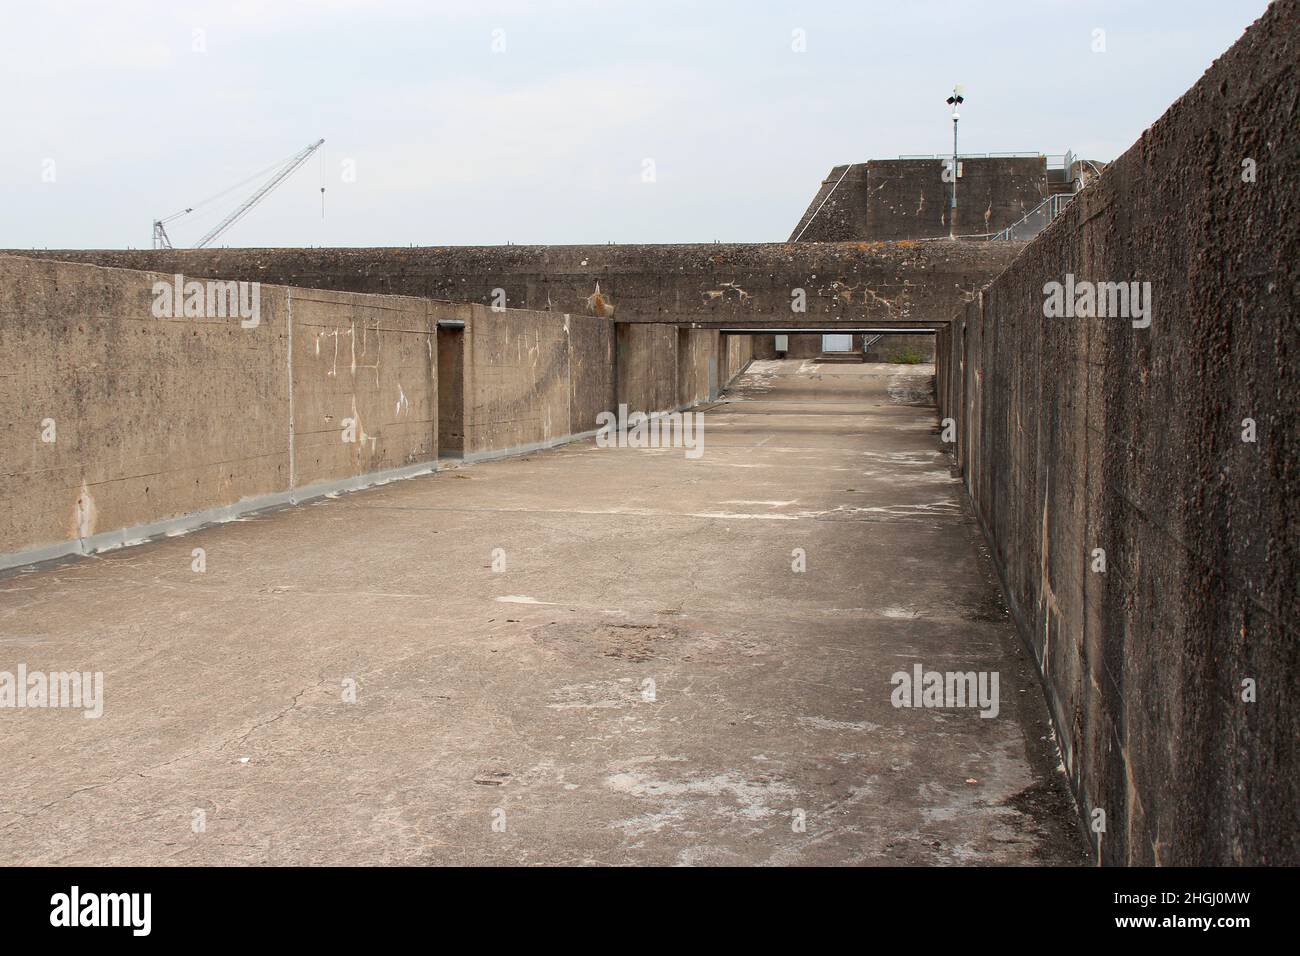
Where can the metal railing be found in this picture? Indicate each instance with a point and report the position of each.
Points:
(970, 155)
(1037, 219)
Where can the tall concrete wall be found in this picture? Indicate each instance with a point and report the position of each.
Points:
(697, 367)
(534, 377)
(739, 353)
(899, 199)
(662, 367)
(153, 421)
(155, 418)
(859, 282)
(1082, 434)
(647, 363)
(371, 359)
(591, 369)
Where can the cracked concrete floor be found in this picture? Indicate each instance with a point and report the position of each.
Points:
(647, 680)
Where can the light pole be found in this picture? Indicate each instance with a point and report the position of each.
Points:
(954, 101)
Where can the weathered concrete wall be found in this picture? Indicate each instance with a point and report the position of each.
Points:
(854, 281)
(1083, 434)
(800, 346)
(591, 369)
(739, 353)
(647, 366)
(890, 348)
(697, 367)
(371, 359)
(899, 199)
(535, 377)
(517, 380)
(764, 347)
(154, 419)
(884, 348)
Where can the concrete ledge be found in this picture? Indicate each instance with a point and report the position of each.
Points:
(181, 524)
(491, 454)
(496, 453)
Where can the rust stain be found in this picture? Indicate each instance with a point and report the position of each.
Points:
(598, 304)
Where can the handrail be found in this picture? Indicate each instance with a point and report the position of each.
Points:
(970, 155)
(1047, 210)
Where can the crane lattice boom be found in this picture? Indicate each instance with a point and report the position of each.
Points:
(162, 241)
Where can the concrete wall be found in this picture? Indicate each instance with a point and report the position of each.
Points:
(739, 353)
(899, 199)
(155, 419)
(797, 346)
(889, 348)
(647, 363)
(592, 371)
(1079, 434)
(883, 349)
(534, 377)
(860, 282)
(368, 358)
(697, 367)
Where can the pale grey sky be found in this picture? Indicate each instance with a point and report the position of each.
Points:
(137, 108)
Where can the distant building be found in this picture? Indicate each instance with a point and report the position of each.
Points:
(911, 197)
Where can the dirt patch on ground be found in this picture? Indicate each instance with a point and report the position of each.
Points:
(638, 643)
(1050, 808)
(989, 608)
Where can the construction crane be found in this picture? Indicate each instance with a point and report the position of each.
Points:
(283, 171)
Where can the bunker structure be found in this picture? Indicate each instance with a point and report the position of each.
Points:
(1136, 487)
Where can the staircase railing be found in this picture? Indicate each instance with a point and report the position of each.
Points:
(1037, 219)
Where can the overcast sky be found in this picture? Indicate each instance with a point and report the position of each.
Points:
(135, 109)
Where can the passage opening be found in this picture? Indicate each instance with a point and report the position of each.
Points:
(451, 392)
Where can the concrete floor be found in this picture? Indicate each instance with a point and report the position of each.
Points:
(521, 698)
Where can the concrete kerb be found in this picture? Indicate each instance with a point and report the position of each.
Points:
(182, 524)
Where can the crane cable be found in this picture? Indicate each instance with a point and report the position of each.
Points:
(243, 182)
